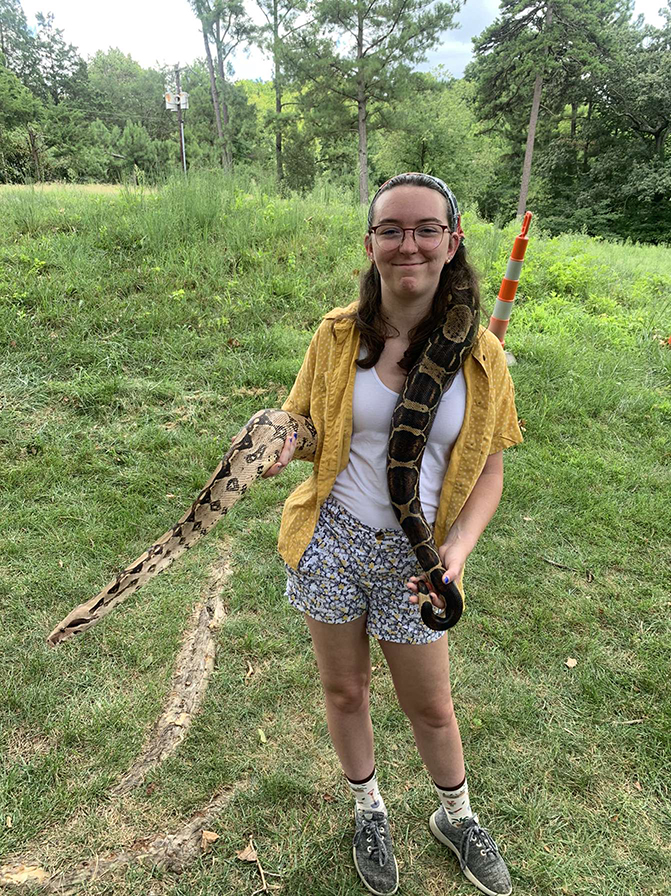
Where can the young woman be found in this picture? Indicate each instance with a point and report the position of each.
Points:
(350, 566)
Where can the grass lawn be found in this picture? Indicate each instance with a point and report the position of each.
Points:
(138, 331)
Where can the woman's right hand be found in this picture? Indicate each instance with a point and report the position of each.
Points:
(286, 454)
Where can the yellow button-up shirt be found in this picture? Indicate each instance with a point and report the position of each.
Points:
(323, 391)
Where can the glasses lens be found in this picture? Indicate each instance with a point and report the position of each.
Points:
(387, 237)
(429, 236)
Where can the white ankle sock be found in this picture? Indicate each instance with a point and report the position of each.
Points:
(456, 803)
(367, 794)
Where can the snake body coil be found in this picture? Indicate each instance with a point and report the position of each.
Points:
(411, 424)
(254, 451)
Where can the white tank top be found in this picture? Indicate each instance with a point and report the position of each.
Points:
(362, 486)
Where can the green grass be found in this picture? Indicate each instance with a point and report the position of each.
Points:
(138, 332)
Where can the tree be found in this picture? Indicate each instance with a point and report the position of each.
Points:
(533, 43)
(18, 110)
(17, 44)
(18, 106)
(361, 51)
(63, 71)
(638, 89)
(434, 129)
(282, 21)
(225, 26)
(600, 163)
(122, 90)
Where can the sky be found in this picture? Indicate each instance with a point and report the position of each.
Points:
(166, 32)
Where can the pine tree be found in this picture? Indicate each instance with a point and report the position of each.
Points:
(362, 52)
(282, 21)
(537, 45)
(225, 26)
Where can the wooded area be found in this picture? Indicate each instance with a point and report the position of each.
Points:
(566, 107)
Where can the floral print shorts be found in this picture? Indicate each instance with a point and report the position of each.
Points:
(350, 569)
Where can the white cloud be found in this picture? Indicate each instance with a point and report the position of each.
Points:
(153, 32)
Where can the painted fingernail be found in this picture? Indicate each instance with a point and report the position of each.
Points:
(446, 578)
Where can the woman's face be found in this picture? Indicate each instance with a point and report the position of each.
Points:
(406, 271)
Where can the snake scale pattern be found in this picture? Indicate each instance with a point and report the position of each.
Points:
(411, 424)
(256, 449)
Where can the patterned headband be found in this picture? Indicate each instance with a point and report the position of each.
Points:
(435, 183)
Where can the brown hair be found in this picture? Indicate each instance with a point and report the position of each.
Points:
(458, 284)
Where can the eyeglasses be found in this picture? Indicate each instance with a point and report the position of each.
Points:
(426, 236)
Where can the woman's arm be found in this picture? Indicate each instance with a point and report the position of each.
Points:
(472, 521)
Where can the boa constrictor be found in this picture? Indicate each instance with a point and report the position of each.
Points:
(257, 448)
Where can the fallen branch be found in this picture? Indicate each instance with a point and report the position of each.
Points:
(167, 852)
(559, 565)
(194, 666)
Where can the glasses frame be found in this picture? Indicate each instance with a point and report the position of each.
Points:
(412, 230)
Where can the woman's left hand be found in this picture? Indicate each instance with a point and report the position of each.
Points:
(453, 559)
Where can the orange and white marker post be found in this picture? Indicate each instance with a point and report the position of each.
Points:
(498, 322)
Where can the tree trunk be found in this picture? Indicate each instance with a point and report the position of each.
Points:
(528, 155)
(585, 152)
(228, 155)
(35, 154)
(574, 120)
(215, 97)
(278, 94)
(531, 135)
(363, 152)
(660, 140)
(362, 114)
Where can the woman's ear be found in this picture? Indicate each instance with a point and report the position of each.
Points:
(455, 242)
(368, 246)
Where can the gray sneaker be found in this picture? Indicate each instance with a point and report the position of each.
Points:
(478, 854)
(374, 853)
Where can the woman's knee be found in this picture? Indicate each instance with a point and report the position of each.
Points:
(350, 695)
(432, 714)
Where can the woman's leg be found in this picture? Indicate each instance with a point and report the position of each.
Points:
(421, 676)
(343, 659)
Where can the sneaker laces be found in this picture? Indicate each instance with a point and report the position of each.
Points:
(475, 836)
(373, 829)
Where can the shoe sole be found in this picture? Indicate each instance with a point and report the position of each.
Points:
(367, 885)
(438, 834)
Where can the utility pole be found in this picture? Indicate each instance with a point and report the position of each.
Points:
(180, 120)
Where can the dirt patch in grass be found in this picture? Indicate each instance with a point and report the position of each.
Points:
(23, 745)
(165, 851)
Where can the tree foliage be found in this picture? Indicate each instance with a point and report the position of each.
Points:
(360, 53)
(346, 103)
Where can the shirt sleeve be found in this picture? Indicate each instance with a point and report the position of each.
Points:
(298, 400)
(506, 430)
